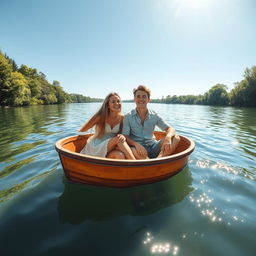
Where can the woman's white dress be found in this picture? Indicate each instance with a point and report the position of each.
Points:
(98, 146)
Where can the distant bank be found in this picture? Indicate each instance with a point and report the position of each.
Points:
(23, 86)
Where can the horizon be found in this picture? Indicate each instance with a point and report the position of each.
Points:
(175, 47)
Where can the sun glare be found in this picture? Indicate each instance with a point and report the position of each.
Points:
(185, 6)
(193, 4)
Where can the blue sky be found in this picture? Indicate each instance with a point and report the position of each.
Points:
(98, 46)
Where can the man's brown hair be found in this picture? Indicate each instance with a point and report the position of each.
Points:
(142, 88)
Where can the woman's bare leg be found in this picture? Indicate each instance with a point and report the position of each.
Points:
(112, 144)
(122, 146)
(116, 154)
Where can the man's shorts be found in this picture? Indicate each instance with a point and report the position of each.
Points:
(154, 149)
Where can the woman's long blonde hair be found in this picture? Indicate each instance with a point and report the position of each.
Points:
(103, 113)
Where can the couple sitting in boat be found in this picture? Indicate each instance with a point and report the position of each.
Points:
(129, 136)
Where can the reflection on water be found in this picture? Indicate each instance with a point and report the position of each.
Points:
(27, 120)
(79, 202)
(218, 117)
(26, 138)
(8, 155)
(12, 168)
(201, 211)
(6, 194)
(244, 127)
(22, 129)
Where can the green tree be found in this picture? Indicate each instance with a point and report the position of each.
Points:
(217, 95)
(61, 95)
(244, 92)
(250, 77)
(20, 92)
(14, 90)
(47, 93)
(5, 73)
(28, 72)
(33, 82)
(12, 62)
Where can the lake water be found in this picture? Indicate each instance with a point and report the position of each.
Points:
(208, 208)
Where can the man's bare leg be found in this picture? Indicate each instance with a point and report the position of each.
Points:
(168, 152)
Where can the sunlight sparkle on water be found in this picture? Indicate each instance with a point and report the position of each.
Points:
(235, 142)
(203, 163)
(160, 248)
(148, 239)
(205, 203)
(225, 167)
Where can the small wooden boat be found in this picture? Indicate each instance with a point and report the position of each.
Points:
(118, 172)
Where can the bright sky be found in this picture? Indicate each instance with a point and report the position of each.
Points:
(93, 47)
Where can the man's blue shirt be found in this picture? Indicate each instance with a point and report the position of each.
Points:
(142, 134)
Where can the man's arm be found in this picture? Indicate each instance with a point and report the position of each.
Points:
(170, 142)
(170, 132)
(167, 142)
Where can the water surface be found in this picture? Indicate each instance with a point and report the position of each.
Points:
(207, 209)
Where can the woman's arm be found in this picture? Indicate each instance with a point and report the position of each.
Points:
(89, 124)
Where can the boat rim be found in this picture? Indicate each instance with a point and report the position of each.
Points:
(101, 160)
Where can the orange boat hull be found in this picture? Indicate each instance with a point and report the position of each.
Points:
(119, 173)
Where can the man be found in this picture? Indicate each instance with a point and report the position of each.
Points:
(139, 125)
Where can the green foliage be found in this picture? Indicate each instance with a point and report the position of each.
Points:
(60, 94)
(217, 95)
(14, 89)
(5, 73)
(78, 98)
(244, 93)
(26, 86)
(20, 92)
(12, 62)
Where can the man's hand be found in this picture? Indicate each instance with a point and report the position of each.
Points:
(166, 146)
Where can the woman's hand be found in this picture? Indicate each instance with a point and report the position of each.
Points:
(121, 138)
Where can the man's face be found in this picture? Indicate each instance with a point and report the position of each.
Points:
(141, 99)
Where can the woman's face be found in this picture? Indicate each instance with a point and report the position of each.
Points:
(114, 104)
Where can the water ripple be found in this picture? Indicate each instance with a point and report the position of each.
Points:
(201, 211)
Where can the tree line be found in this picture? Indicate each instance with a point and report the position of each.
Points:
(23, 86)
(242, 95)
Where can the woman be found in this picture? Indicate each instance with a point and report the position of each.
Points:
(107, 140)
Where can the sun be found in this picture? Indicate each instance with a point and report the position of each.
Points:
(193, 4)
(183, 9)
(191, 7)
